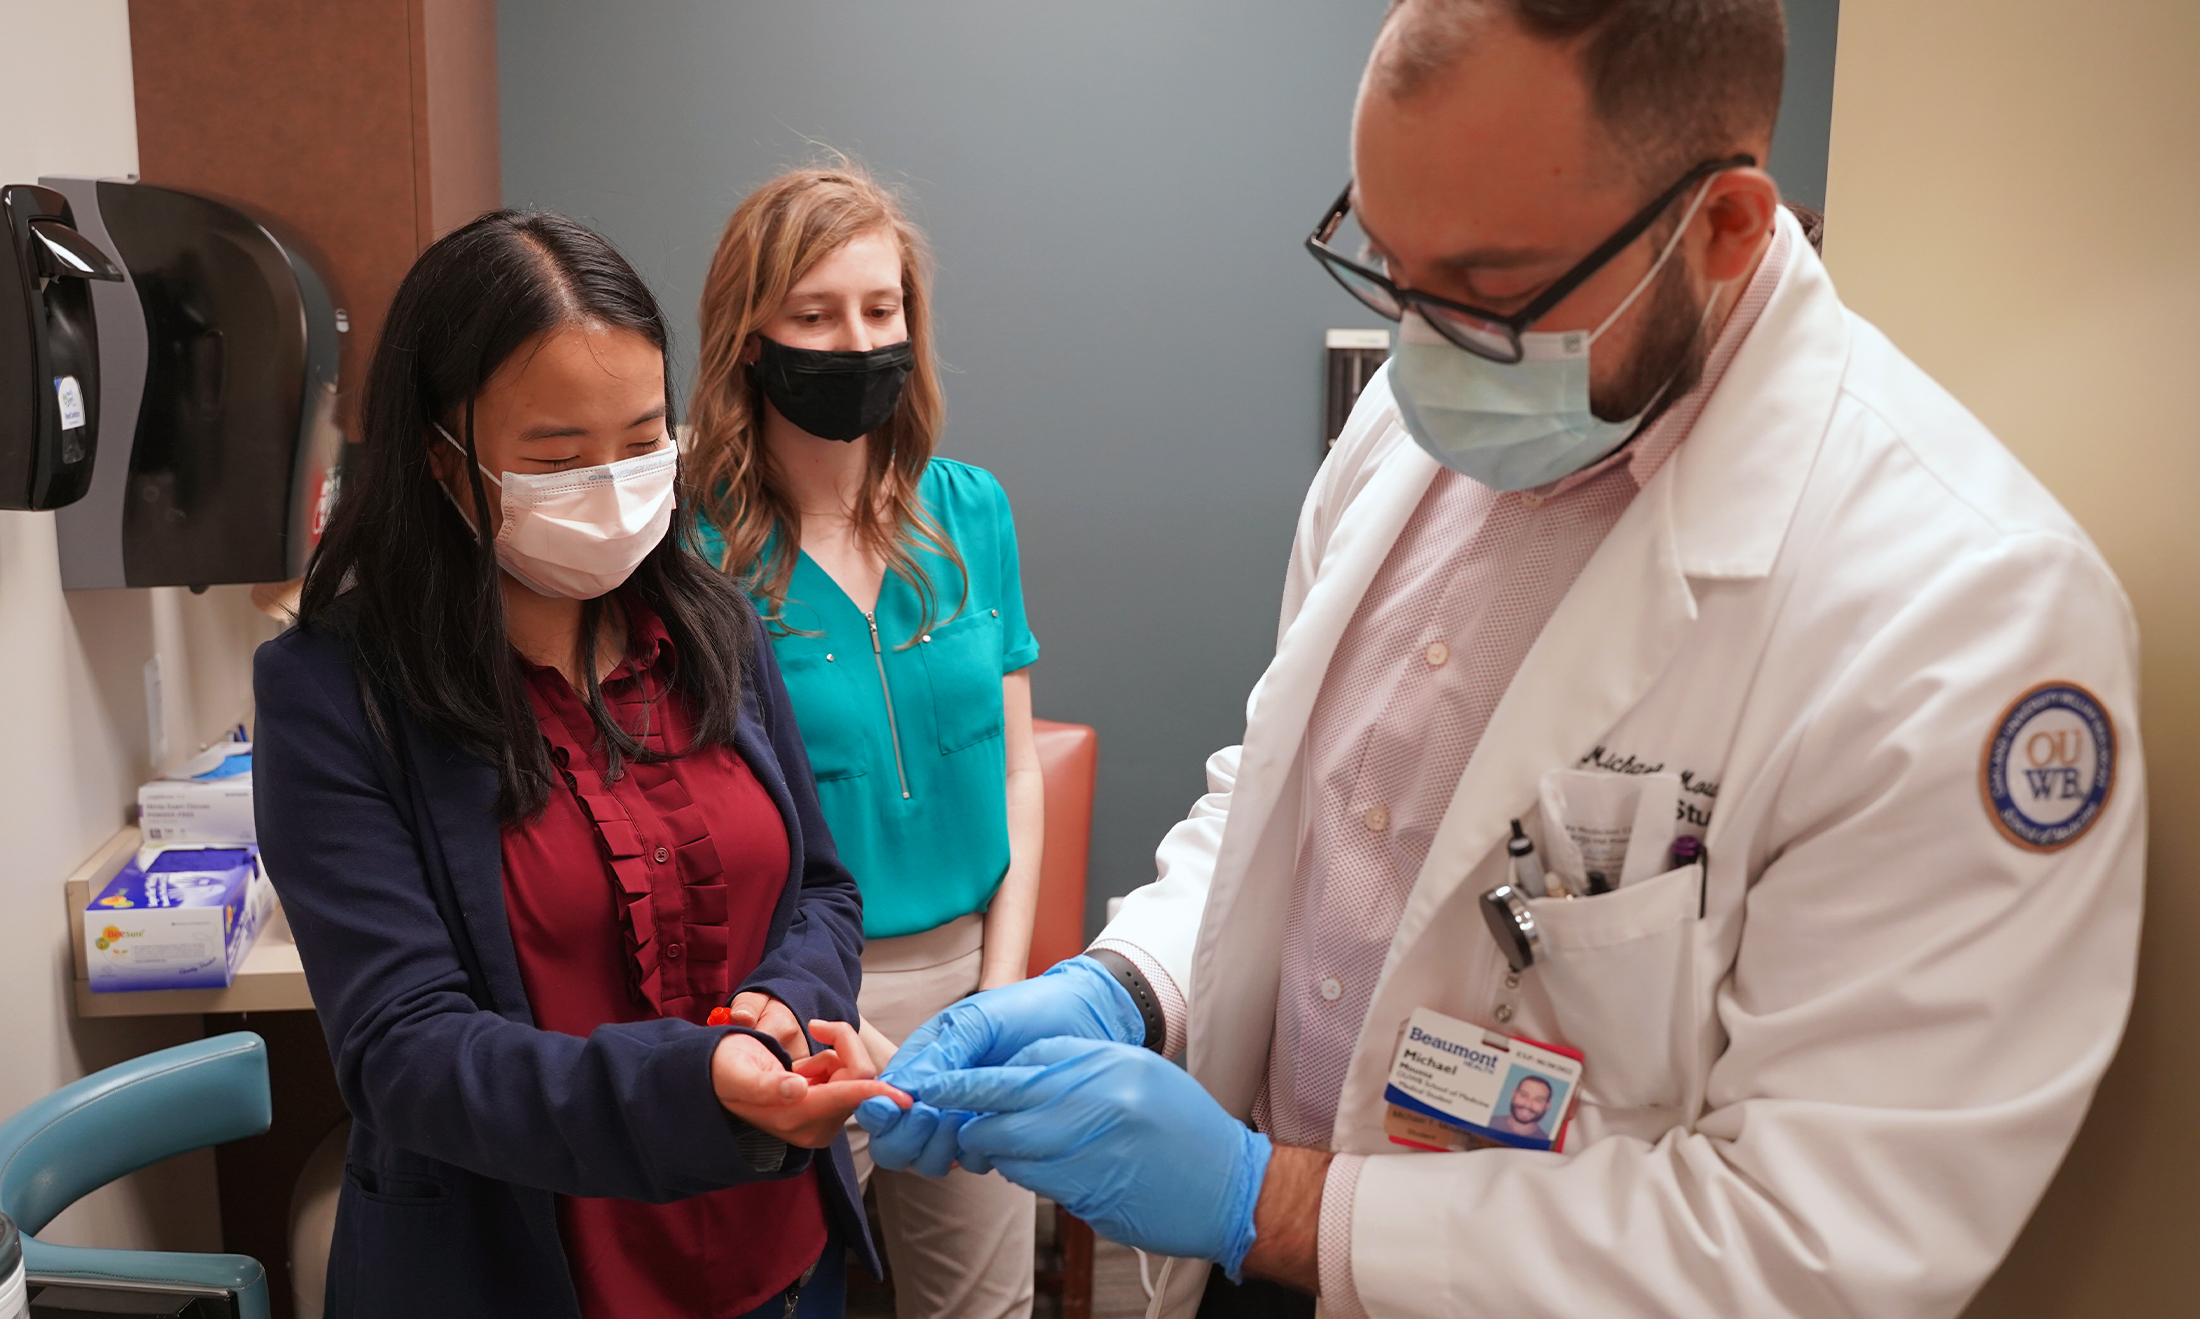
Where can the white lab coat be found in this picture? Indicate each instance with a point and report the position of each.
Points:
(1842, 1089)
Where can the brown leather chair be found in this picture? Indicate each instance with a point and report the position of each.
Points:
(1069, 760)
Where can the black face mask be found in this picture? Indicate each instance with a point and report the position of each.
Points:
(834, 396)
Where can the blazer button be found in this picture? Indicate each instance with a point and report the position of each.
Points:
(660, 856)
(675, 950)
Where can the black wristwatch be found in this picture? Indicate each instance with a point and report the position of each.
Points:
(1128, 975)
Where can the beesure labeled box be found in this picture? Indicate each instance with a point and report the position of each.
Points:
(182, 920)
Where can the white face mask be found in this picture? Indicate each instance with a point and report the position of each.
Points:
(581, 533)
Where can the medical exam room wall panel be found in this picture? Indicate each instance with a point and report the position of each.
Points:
(1806, 101)
(2011, 197)
(1117, 194)
(1133, 335)
(72, 684)
(367, 128)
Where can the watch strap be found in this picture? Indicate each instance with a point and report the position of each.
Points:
(1134, 981)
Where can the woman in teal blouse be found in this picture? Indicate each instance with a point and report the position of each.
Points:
(890, 580)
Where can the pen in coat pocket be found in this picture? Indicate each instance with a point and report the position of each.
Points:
(1690, 851)
(1527, 871)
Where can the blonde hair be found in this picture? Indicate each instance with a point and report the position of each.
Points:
(774, 238)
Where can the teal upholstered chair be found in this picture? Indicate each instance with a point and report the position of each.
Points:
(112, 1123)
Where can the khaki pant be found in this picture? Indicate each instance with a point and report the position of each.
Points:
(960, 1246)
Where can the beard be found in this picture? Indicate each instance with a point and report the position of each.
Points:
(1669, 355)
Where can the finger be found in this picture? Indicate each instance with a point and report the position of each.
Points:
(821, 1067)
(881, 1049)
(878, 1115)
(1061, 1049)
(956, 1038)
(995, 1139)
(941, 1148)
(743, 1070)
(772, 1089)
(748, 1009)
(777, 1019)
(821, 1113)
(915, 1060)
(897, 1145)
(847, 1096)
(785, 1088)
(970, 1160)
(847, 1042)
(1008, 1089)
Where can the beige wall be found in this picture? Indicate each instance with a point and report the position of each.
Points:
(2013, 196)
(72, 692)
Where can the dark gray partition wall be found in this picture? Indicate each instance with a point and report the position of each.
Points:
(1116, 193)
(1806, 103)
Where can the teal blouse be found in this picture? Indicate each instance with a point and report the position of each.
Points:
(905, 736)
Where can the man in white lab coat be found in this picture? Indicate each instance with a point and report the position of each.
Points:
(1637, 497)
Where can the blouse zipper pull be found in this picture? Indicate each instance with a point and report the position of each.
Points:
(893, 729)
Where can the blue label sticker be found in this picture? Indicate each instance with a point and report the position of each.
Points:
(2049, 767)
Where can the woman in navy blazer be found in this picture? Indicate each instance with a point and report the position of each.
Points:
(406, 746)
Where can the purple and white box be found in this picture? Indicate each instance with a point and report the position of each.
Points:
(183, 919)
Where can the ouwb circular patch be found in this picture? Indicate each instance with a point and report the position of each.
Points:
(2049, 766)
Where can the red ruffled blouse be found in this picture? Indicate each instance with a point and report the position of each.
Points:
(651, 896)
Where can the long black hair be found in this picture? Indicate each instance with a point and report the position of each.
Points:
(415, 591)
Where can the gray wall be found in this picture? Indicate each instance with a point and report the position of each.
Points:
(1806, 102)
(1116, 194)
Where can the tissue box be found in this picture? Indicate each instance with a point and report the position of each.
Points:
(200, 812)
(181, 919)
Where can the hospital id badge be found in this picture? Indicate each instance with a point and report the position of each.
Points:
(1456, 1086)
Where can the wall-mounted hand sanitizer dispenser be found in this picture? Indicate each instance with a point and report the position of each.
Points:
(49, 350)
(219, 392)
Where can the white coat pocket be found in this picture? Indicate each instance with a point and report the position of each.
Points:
(1619, 973)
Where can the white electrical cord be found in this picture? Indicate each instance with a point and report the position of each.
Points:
(1145, 1280)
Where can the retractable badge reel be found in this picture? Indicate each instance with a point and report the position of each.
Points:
(1505, 908)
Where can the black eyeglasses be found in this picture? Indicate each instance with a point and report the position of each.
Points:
(1486, 333)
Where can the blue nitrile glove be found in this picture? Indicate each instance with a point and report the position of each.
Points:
(1120, 1137)
(1077, 998)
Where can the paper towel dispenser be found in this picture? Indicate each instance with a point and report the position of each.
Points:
(219, 351)
(49, 350)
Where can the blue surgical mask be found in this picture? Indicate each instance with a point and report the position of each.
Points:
(1517, 426)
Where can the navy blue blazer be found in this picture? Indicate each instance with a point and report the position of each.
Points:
(467, 1119)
